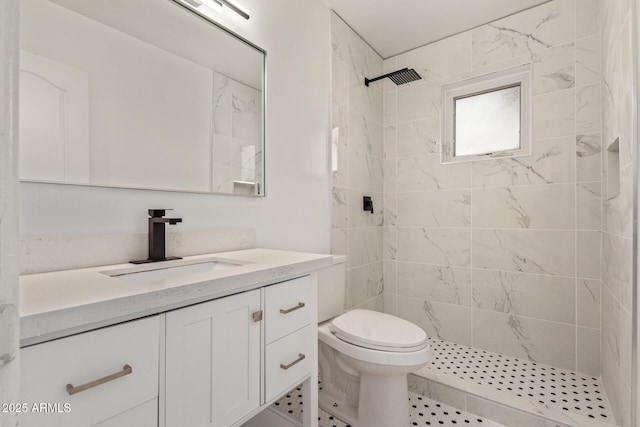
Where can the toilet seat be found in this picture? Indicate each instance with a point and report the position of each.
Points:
(378, 331)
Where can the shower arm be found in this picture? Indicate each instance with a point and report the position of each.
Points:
(367, 81)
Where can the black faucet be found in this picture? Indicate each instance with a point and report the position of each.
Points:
(157, 236)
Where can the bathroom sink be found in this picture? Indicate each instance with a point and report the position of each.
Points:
(162, 272)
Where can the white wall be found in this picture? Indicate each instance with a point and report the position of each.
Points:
(296, 212)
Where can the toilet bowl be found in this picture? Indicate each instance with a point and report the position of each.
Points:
(364, 358)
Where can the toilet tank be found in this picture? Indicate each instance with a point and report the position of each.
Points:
(332, 286)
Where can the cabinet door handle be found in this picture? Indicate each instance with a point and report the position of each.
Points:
(300, 358)
(126, 370)
(289, 310)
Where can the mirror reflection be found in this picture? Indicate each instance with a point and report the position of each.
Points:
(140, 94)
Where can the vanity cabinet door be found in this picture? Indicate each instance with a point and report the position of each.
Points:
(213, 362)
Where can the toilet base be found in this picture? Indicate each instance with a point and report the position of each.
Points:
(339, 409)
(383, 401)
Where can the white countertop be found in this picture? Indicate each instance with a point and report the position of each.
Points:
(62, 303)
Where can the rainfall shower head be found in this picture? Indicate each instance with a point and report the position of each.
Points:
(400, 77)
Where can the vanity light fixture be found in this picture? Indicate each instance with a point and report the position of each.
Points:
(236, 7)
(216, 6)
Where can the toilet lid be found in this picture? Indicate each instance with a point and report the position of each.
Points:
(378, 331)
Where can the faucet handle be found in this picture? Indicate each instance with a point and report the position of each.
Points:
(158, 213)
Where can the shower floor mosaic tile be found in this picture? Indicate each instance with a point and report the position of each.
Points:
(565, 390)
(422, 412)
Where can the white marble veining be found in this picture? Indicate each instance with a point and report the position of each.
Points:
(535, 29)
(339, 208)
(589, 298)
(339, 38)
(365, 100)
(554, 69)
(532, 339)
(552, 161)
(536, 206)
(419, 100)
(436, 391)
(390, 214)
(66, 302)
(364, 246)
(419, 137)
(588, 157)
(588, 109)
(358, 165)
(364, 283)
(365, 134)
(389, 243)
(530, 251)
(554, 114)
(434, 283)
(365, 171)
(237, 133)
(588, 17)
(443, 321)
(589, 205)
(531, 295)
(588, 60)
(617, 267)
(534, 221)
(425, 173)
(446, 208)
(442, 246)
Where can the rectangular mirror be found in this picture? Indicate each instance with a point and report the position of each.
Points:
(139, 94)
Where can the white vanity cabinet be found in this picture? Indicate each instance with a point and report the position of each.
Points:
(216, 364)
(229, 358)
(107, 377)
(213, 361)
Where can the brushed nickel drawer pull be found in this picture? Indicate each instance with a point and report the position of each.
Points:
(126, 370)
(257, 316)
(300, 358)
(297, 307)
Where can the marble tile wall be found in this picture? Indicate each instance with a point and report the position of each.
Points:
(502, 254)
(237, 135)
(9, 319)
(357, 165)
(616, 82)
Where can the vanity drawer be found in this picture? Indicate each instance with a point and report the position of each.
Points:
(289, 360)
(289, 306)
(91, 377)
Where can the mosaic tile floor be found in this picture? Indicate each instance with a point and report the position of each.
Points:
(422, 412)
(552, 386)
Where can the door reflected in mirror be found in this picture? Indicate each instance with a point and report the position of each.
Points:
(141, 94)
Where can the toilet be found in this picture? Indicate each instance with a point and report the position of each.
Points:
(364, 357)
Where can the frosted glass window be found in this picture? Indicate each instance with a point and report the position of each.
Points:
(487, 122)
(487, 117)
